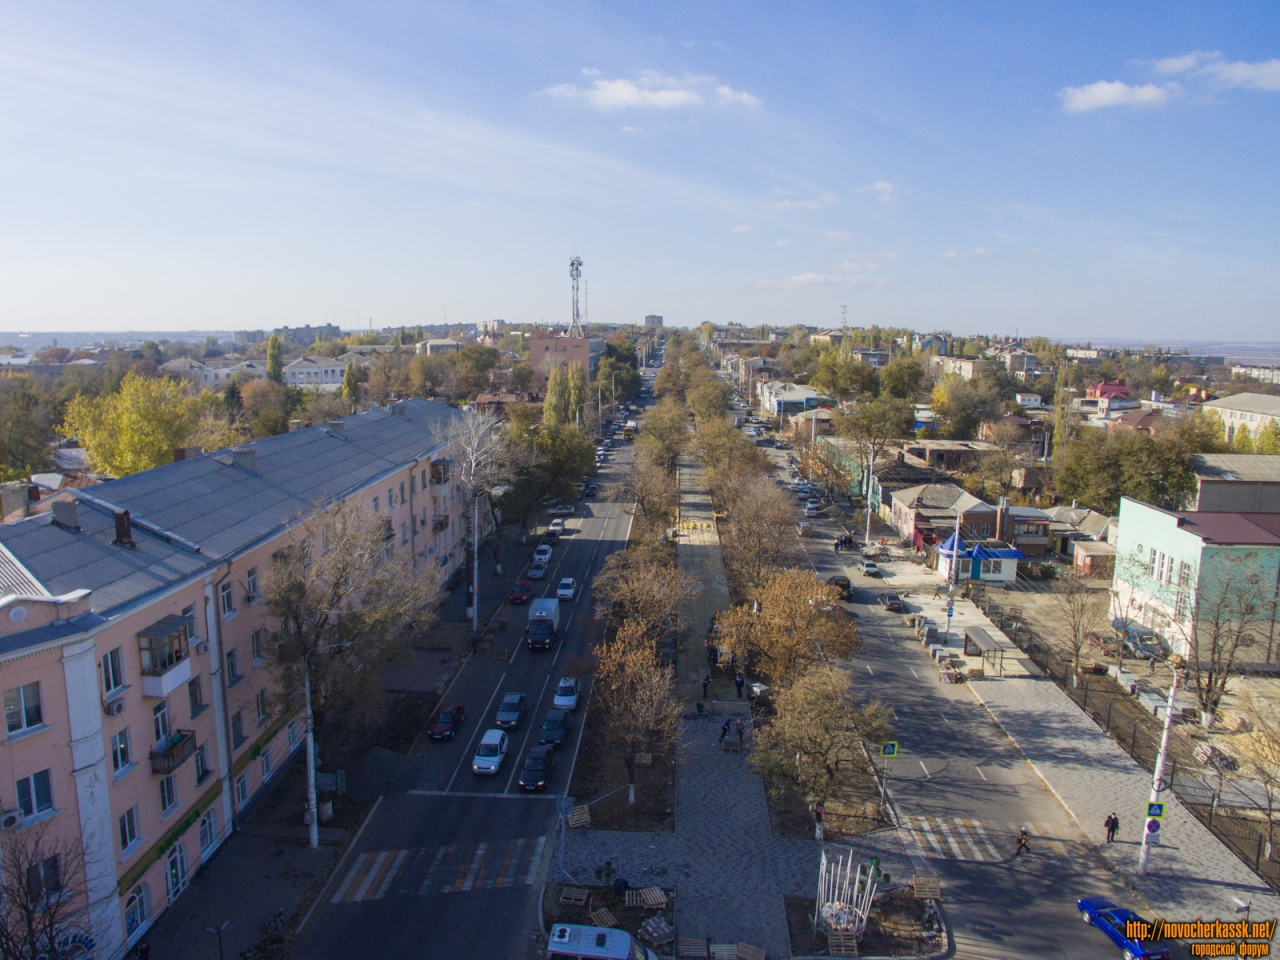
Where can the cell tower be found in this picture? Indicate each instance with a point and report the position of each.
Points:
(575, 273)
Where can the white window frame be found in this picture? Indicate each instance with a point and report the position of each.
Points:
(113, 672)
(264, 709)
(19, 701)
(251, 581)
(268, 765)
(168, 793)
(122, 752)
(208, 829)
(129, 832)
(33, 797)
(227, 603)
(242, 789)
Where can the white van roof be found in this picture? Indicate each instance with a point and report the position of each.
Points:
(597, 943)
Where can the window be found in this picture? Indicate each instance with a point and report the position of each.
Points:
(413, 482)
(168, 792)
(391, 499)
(176, 872)
(293, 734)
(268, 767)
(22, 707)
(44, 880)
(228, 600)
(208, 830)
(159, 654)
(992, 567)
(255, 644)
(424, 478)
(112, 671)
(263, 712)
(237, 728)
(1151, 563)
(160, 721)
(251, 581)
(404, 533)
(189, 612)
(121, 751)
(195, 693)
(203, 770)
(1184, 574)
(242, 789)
(135, 910)
(402, 491)
(128, 829)
(35, 794)
(233, 668)
(375, 504)
(1180, 605)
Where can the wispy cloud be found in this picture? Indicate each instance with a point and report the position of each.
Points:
(1263, 75)
(1115, 93)
(967, 254)
(883, 189)
(837, 236)
(650, 90)
(633, 129)
(742, 228)
(782, 243)
(816, 203)
(825, 280)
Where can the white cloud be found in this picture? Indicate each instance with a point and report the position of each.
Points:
(815, 204)
(829, 280)
(837, 236)
(742, 228)
(730, 95)
(1254, 76)
(883, 189)
(633, 129)
(782, 243)
(590, 72)
(1115, 93)
(968, 254)
(1184, 63)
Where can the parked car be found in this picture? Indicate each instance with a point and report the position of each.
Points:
(566, 697)
(869, 568)
(536, 772)
(564, 510)
(446, 722)
(543, 554)
(813, 502)
(845, 587)
(1113, 920)
(811, 511)
(538, 570)
(554, 728)
(592, 489)
(556, 526)
(550, 538)
(510, 711)
(891, 601)
(490, 753)
(522, 592)
(568, 589)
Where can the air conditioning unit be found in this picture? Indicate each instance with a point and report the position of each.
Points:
(11, 819)
(116, 707)
(200, 646)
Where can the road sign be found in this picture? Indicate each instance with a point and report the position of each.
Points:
(1153, 826)
(1155, 810)
(951, 605)
(564, 806)
(889, 749)
(951, 593)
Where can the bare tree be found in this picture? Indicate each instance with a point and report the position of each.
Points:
(486, 460)
(42, 886)
(1079, 608)
(1130, 569)
(641, 592)
(652, 493)
(633, 695)
(1261, 754)
(759, 537)
(814, 742)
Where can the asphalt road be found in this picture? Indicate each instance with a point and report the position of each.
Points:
(453, 868)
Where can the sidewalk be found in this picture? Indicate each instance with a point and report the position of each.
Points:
(698, 554)
(1191, 874)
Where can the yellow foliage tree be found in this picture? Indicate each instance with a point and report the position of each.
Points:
(136, 428)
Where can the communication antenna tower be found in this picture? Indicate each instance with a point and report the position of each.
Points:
(575, 274)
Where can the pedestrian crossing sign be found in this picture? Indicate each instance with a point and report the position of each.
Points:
(1155, 811)
(889, 749)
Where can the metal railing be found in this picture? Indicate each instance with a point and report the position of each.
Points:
(180, 747)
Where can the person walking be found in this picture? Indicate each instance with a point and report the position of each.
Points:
(724, 730)
(1112, 823)
(1024, 842)
(741, 731)
(738, 682)
(819, 831)
(706, 682)
(1151, 667)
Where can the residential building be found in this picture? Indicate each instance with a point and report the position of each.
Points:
(248, 337)
(315, 372)
(1025, 527)
(1103, 399)
(1092, 558)
(438, 347)
(547, 350)
(947, 454)
(877, 359)
(1029, 401)
(132, 627)
(492, 326)
(1237, 482)
(214, 374)
(989, 561)
(1014, 429)
(928, 341)
(1139, 421)
(1090, 356)
(779, 399)
(966, 367)
(829, 338)
(653, 320)
(1070, 524)
(810, 422)
(1108, 390)
(924, 514)
(1264, 374)
(308, 335)
(1019, 362)
(1252, 410)
(1179, 573)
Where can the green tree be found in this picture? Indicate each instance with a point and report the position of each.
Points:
(555, 409)
(350, 385)
(959, 405)
(1268, 439)
(134, 429)
(275, 362)
(665, 434)
(1242, 442)
(841, 377)
(565, 456)
(902, 378)
(577, 391)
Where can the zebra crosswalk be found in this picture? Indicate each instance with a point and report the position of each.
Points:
(960, 838)
(450, 868)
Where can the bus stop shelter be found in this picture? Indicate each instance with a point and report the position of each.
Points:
(979, 643)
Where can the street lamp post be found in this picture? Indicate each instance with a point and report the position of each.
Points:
(313, 821)
(1157, 777)
(218, 930)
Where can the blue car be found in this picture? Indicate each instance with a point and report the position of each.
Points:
(1114, 920)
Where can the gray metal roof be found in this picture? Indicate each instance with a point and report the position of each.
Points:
(1238, 466)
(191, 514)
(1262, 403)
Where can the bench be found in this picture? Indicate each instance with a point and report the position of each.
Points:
(747, 952)
(573, 897)
(724, 951)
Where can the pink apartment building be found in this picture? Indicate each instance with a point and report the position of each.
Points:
(136, 689)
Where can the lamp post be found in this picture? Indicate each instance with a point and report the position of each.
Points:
(577, 414)
(313, 821)
(1157, 776)
(218, 930)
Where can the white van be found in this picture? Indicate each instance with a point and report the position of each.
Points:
(569, 941)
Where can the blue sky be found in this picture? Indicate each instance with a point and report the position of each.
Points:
(1074, 170)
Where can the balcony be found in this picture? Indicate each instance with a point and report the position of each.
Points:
(163, 649)
(168, 756)
(440, 523)
(441, 472)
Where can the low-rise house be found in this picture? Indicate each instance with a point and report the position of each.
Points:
(829, 338)
(1013, 428)
(947, 454)
(314, 371)
(1068, 524)
(876, 359)
(1029, 401)
(214, 374)
(438, 347)
(1139, 421)
(1245, 410)
(811, 421)
(1237, 482)
(987, 560)
(1092, 558)
(966, 367)
(779, 399)
(924, 514)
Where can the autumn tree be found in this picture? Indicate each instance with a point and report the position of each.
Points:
(350, 386)
(650, 493)
(136, 428)
(708, 399)
(665, 435)
(759, 533)
(43, 888)
(642, 592)
(814, 740)
(872, 426)
(842, 376)
(959, 405)
(800, 623)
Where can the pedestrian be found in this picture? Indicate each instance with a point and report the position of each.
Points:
(837, 545)
(738, 682)
(144, 950)
(1151, 667)
(706, 682)
(1113, 827)
(819, 832)
(741, 730)
(1024, 842)
(724, 730)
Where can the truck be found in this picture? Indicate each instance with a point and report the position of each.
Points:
(544, 623)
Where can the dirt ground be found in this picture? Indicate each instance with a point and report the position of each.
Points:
(602, 896)
(896, 927)
(600, 779)
(854, 810)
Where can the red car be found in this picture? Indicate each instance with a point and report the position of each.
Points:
(446, 722)
(522, 592)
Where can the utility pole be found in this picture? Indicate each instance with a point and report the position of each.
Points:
(1157, 776)
(955, 568)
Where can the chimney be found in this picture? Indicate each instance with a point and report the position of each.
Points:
(187, 453)
(65, 514)
(246, 458)
(400, 409)
(295, 425)
(124, 531)
(337, 428)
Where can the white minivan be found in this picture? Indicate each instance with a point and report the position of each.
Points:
(570, 941)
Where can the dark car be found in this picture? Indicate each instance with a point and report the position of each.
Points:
(844, 586)
(891, 601)
(446, 722)
(551, 538)
(510, 711)
(1114, 920)
(536, 772)
(522, 592)
(554, 728)
(592, 489)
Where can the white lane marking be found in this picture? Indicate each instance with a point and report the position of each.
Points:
(981, 831)
(869, 670)
(435, 866)
(913, 672)
(533, 862)
(474, 733)
(391, 875)
(355, 869)
(368, 880)
(475, 867)
(980, 773)
(925, 769)
(944, 717)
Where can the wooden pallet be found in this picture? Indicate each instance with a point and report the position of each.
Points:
(573, 897)
(657, 931)
(603, 918)
(747, 952)
(724, 951)
(648, 898)
(926, 887)
(842, 944)
(581, 817)
(691, 948)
